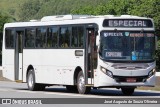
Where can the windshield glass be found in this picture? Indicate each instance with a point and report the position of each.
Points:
(127, 45)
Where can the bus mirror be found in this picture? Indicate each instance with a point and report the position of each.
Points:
(97, 40)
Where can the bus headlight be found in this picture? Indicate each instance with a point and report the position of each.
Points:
(152, 72)
(106, 71)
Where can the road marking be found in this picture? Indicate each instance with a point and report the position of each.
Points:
(75, 95)
(6, 90)
(62, 94)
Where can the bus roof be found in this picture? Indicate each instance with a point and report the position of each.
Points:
(70, 19)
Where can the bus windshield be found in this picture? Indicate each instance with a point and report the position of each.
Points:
(127, 45)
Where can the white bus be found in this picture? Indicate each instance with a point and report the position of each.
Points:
(81, 52)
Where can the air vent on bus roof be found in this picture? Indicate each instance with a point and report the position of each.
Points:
(63, 17)
(33, 20)
(125, 15)
(109, 15)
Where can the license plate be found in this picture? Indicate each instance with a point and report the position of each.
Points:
(131, 79)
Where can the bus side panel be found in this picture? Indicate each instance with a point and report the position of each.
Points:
(8, 64)
(52, 66)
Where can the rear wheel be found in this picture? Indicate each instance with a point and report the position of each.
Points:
(127, 91)
(82, 89)
(32, 85)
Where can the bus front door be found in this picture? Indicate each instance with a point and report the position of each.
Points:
(18, 55)
(91, 53)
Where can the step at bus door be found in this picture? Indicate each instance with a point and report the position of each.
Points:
(18, 55)
(91, 53)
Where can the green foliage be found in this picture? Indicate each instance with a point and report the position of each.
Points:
(39, 8)
(29, 9)
(10, 7)
(3, 19)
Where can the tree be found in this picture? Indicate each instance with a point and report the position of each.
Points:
(29, 9)
(36, 9)
(3, 19)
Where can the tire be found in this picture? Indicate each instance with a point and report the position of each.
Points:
(127, 91)
(32, 85)
(71, 88)
(82, 89)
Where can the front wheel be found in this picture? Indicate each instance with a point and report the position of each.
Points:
(32, 85)
(127, 91)
(82, 89)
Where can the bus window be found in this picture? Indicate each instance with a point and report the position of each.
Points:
(49, 38)
(80, 32)
(77, 37)
(74, 38)
(41, 38)
(64, 37)
(30, 38)
(55, 37)
(52, 38)
(9, 38)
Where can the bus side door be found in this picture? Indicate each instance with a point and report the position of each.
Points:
(18, 55)
(91, 53)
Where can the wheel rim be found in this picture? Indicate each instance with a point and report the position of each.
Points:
(30, 80)
(81, 83)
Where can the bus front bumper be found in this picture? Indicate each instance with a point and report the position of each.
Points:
(106, 81)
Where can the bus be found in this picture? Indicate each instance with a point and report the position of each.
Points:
(81, 52)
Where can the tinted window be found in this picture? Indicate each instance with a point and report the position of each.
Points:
(41, 38)
(30, 37)
(74, 38)
(9, 38)
(77, 37)
(64, 37)
(52, 38)
(80, 33)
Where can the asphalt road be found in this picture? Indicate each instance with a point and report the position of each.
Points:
(19, 90)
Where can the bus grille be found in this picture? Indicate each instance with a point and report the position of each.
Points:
(130, 66)
(124, 78)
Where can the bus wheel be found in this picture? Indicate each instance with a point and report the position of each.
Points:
(31, 82)
(82, 89)
(127, 91)
(71, 88)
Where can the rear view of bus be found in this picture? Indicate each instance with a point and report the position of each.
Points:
(126, 53)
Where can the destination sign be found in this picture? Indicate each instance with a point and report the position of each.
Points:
(141, 34)
(113, 34)
(127, 34)
(127, 23)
